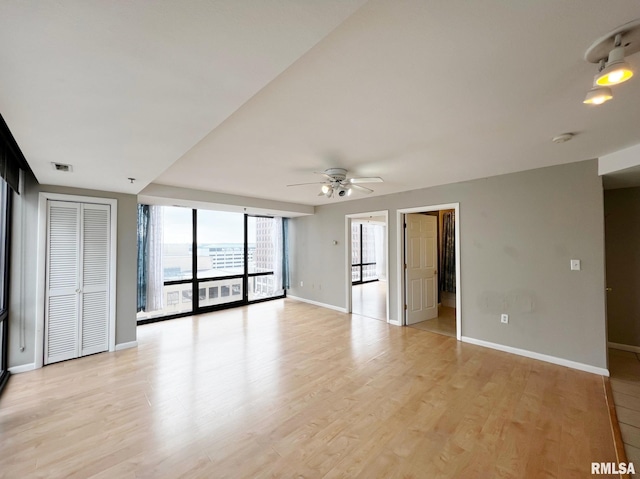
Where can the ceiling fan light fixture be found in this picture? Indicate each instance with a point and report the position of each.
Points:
(327, 190)
(598, 95)
(616, 71)
(337, 184)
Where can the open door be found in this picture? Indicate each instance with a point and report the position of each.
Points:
(421, 236)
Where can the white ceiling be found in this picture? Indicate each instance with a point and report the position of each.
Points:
(245, 97)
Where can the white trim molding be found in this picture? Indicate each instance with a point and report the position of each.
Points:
(23, 368)
(541, 357)
(130, 344)
(624, 347)
(400, 259)
(317, 303)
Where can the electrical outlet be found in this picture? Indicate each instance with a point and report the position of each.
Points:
(504, 318)
(301, 284)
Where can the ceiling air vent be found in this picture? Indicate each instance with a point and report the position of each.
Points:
(62, 167)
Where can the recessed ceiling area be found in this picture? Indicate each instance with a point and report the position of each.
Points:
(243, 98)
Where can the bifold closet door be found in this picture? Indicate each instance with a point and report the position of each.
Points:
(77, 280)
(94, 279)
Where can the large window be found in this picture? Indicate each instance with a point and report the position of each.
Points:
(220, 257)
(11, 162)
(364, 252)
(177, 264)
(5, 195)
(236, 258)
(265, 257)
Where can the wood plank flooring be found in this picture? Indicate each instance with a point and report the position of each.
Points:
(287, 389)
(625, 383)
(444, 323)
(370, 300)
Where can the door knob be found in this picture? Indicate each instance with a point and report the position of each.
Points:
(608, 290)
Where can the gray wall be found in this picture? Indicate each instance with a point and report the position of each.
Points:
(622, 232)
(22, 306)
(518, 233)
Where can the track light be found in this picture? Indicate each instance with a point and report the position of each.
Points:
(617, 70)
(598, 95)
(609, 53)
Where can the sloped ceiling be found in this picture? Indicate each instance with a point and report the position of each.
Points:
(124, 88)
(244, 97)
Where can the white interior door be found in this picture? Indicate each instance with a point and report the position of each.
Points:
(77, 280)
(421, 256)
(62, 281)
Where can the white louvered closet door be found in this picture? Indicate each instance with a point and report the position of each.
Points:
(63, 281)
(77, 280)
(94, 286)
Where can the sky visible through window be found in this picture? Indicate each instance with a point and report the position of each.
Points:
(213, 226)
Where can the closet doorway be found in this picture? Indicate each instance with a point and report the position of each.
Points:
(429, 269)
(367, 265)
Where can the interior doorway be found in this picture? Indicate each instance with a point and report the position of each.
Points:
(429, 269)
(366, 242)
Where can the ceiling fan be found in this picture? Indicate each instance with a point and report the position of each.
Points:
(336, 182)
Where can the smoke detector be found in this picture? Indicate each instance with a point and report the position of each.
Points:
(563, 138)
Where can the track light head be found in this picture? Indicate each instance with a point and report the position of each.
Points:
(609, 51)
(616, 70)
(598, 95)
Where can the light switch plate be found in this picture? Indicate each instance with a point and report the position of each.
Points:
(575, 265)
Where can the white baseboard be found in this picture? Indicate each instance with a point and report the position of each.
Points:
(22, 368)
(541, 357)
(317, 303)
(624, 347)
(395, 322)
(130, 344)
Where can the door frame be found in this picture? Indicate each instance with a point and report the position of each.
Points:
(347, 243)
(43, 198)
(402, 317)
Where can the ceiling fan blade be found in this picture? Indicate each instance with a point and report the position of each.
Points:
(330, 178)
(313, 183)
(373, 179)
(361, 189)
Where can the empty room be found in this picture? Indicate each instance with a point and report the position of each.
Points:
(319, 239)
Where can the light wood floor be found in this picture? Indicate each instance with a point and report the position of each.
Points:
(445, 323)
(288, 389)
(624, 367)
(370, 300)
